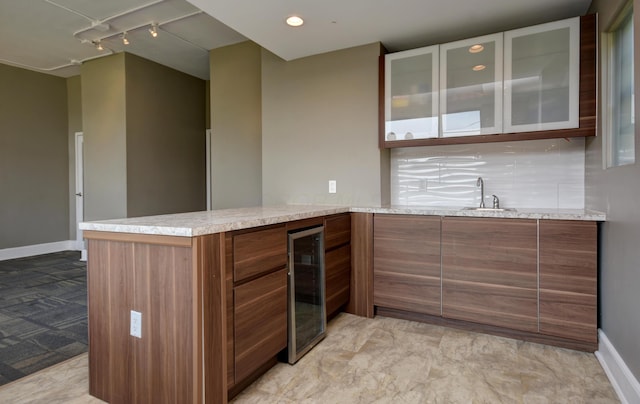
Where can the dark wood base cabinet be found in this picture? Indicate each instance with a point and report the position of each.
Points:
(214, 309)
(171, 281)
(337, 245)
(489, 271)
(534, 280)
(568, 280)
(257, 287)
(406, 263)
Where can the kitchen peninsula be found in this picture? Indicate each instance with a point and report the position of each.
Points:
(211, 291)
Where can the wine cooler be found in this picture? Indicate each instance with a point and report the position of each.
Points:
(307, 317)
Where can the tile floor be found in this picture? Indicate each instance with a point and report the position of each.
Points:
(386, 360)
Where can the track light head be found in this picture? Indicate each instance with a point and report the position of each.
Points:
(98, 45)
(154, 30)
(125, 41)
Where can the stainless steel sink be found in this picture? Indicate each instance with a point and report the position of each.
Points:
(491, 209)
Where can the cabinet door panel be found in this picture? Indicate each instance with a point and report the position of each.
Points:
(260, 326)
(471, 86)
(407, 263)
(542, 76)
(568, 279)
(411, 88)
(338, 278)
(259, 251)
(489, 271)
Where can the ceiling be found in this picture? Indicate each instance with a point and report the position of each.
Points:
(56, 36)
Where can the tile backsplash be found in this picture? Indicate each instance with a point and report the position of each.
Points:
(523, 174)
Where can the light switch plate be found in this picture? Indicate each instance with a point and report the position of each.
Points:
(332, 186)
(136, 324)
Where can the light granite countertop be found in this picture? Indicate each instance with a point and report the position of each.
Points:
(208, 222)
(551, 214)
(215, 221)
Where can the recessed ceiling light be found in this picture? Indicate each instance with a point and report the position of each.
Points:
(476, 48)
(478, 68)
(294, 21)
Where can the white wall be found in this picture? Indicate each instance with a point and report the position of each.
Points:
(527, 174)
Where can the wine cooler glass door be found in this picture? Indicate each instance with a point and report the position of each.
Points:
(307, 318)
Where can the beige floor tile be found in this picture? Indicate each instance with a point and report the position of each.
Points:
(385, 360)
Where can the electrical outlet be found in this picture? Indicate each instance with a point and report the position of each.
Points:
(136, 324)
(332, 186)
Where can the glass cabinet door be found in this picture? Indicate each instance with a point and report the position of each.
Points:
(411, 101)
(471, 86)
(542, 77)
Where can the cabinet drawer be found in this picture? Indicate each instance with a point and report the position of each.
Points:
(337, 231)
(259, 251)
(260, 326)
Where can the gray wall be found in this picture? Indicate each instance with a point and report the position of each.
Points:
(236, 126)
(165, 124)
(616, 191)
(105, 146)
(320, 123)
(74, 108)
(144, 138)
(34, 184)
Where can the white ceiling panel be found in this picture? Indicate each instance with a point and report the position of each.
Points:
(204, 31)
(398, 24)
(51, 36)
(99, 10)
(39, 34)
(168, 10)
(33, 33)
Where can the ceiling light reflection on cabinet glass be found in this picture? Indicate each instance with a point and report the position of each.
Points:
(477, 48)
(478, 68)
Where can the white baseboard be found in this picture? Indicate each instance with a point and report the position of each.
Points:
(624, 382)
(37, 249)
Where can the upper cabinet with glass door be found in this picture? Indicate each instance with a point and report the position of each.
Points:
(411, 86)
(542, 77)
(531, 83)
(471, 86)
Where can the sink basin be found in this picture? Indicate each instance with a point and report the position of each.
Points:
(491, 209)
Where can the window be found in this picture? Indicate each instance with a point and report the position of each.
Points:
(619, 117)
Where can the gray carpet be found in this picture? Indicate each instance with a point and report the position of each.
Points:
(43, 312)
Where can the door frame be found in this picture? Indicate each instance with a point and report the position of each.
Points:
(79, 192)
(208, 168)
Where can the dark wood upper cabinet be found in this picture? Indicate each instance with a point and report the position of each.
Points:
(441, 96)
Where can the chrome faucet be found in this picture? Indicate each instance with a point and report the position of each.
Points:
(496, 202)
(480, 183)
